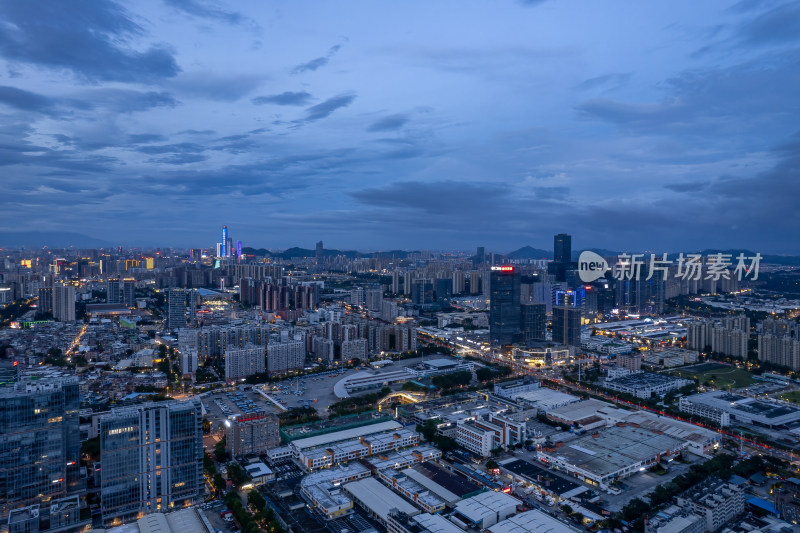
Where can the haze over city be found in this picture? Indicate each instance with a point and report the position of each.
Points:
(373, 125)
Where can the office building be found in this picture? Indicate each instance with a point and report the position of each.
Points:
(567, 325)
(562, 257)
(113, 291)
(504, 309)
(152, 459)
(189, 362)
(176, 308)
(243, 362)
(533, 322)
(225, 251)
(319, 253)
(444, 291)
(39, 442)
(128, 295)
(422, 292)
(45, 302)
(64, 303)
(251, 434)
(717, 501)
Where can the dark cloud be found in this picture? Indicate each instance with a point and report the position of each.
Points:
(389, 123)
(778, 25)
(82, 36)
(128, 101)
(286, 98)
(25, 100)
(200, 9)
(317, 63)
(607, 81)
(327, 107)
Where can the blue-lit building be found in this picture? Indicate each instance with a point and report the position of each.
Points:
(225, 251)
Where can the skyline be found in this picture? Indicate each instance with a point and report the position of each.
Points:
(373, 127)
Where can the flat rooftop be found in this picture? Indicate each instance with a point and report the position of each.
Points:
(346, 434)
(378, 498)
(530, 522)
(614, 448)
(545, 478)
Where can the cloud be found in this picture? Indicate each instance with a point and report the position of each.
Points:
(317, 63)
(687, 186)
(25, 100)
(606, 81)
(207, 10)
(128, 101)
(780, 24)
(441, 198)
(181, 148)
(219, 87)
(285, 98)
(81, 36)
(327, 107)
(389, 123)
(143, 138)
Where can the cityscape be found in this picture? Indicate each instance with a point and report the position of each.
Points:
(523, 266)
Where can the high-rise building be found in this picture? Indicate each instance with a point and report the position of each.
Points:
(533, 322)
(562, 256)
(357, 297)
(444, 291)
(193, 296)
(422, 292)
(64, 303)
(319, 253)
(504, 306)
(224, 241)
(39, 441)
(459, 281)
(243, 362)
(251, 434)
(152, 458)
(113, 291)
(176, 308)
(45, 302)
(285, 356)
(373, 297)
(396, 282)
(567, 325)
(129, 292)
(480, 255)
(189, 362)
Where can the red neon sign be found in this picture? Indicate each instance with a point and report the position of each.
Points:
(506, 268)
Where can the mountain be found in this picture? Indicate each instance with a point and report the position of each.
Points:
(528, 252)
(50, 239)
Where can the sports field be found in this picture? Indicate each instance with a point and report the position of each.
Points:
(717, 375)
(791, 396)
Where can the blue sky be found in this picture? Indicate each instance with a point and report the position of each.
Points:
(378, 125)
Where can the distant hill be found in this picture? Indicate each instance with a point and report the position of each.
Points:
(528, 252)
(51, 239)
(298, 252)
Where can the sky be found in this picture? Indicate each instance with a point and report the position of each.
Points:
(377, 125)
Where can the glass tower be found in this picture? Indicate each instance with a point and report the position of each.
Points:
(504, 308)
(225, 241)
(152, 459)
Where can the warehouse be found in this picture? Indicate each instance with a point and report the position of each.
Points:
(544, 399)
(484, 510)
(531, 522)
(740, 408)
(612, 453)
(377, 499)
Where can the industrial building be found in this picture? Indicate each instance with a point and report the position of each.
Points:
(646, 384)
(484, 510)
(612, 453)
(533, 521)
(767, 413)
(377, 499)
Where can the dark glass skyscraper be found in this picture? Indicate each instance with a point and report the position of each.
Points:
(504, 309)
(39, 441)
(567, 325)
(533, 322)
(562, 248)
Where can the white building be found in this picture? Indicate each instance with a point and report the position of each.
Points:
(484, 510)
(243, 362)
(477, 439)
(285, 356)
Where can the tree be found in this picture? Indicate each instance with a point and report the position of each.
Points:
(256, 500)
(491, 464)
(219, 450)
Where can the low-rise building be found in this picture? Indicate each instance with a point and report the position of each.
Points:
(765, 413)
(717, 501)
(646, 384)
(484, 510)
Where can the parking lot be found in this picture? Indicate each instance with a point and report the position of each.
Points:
(222, 405)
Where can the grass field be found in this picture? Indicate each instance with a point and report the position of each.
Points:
(721, 377)
(791, 396)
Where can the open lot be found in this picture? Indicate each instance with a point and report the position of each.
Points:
(791, 396)
(718, 376)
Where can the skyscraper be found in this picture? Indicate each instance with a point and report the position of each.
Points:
(562, 256)
(152, 457)
(39, 441)
(504, 309)
(64, 303)
(318, 255)
(533, 322)
(129, 292)
(562, 248)
(113, 291)
(567, 325)
(224, 241)
(176, 307)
